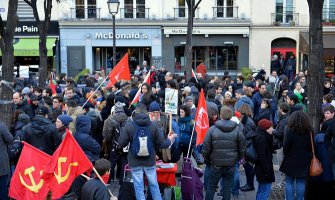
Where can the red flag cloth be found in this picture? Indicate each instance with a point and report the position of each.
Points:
(27, 182)
(201, 119)
(52, 87)
(68, 162)
(120, 71)
(138, 94)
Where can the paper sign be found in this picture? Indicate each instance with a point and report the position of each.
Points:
(171, 101)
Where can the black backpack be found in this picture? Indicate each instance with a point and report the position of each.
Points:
(14, 149)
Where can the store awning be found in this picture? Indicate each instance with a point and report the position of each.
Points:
(30, 46)
(328, 41)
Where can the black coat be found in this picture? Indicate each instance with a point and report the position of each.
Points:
(330, 140)
(94, 189)
(42, 134)
(5, 139)
(25, 107)
(264, 166)
(297, 154)
(263, 114)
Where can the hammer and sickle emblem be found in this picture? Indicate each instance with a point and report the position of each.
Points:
(34, 187)
(59, 177)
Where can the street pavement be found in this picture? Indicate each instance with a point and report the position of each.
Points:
(251, 195)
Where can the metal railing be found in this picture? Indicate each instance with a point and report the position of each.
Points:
(134, 13)
(285, 19)
(328, 14)
(80, 12)
(225, 12)
(182, 12)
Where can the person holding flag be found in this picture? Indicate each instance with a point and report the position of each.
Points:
(223, 146)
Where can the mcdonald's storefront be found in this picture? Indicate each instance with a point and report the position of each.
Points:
(26, 45)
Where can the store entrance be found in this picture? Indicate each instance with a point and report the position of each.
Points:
(103, 57)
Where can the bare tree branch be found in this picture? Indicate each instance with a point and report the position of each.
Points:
(196, 5)
(28, 2)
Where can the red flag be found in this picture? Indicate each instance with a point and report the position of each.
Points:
(120, 71)
(201, 119)
(52, 87)
(137, 96)
(27, 182)
(68, 162)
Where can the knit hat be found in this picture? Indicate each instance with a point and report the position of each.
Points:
(229, 93)
(154, 106)
(24, 118)
(65, 119)
(265, 124)
(226, 113)
(189, 98)
(33, 97)
(25, 90)
(42, 110)
(118, 107)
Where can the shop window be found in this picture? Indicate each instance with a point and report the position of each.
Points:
(215, 58)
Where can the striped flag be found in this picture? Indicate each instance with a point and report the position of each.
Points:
(138, 94)
(195, 76)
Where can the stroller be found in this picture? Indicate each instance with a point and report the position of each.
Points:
(191, 185)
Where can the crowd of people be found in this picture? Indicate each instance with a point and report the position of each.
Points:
(266, 112)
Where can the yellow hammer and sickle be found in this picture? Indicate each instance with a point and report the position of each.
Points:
(59, 177)
(34, 188)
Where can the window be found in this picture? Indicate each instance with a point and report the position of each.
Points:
(215, 58)
(90, 11)
(136, 7)
(225, 8)
(328, 10)
(181, 8)
(284, 11)
(80, 9)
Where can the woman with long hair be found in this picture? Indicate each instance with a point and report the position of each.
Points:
(297, 154)
(185, 124)
(265, 112)
(146, 96)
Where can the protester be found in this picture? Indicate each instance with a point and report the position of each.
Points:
(21, 104)
(62, 124)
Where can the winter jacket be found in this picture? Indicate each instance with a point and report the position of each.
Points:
(278, 133)
(82, 135)
(5, 139)
(297, 154)
(96, 124)
(74, 112)
(21, 125)
(62, 131)
(109, 132)
(296, 107)
(249, 125)
(321, 153)
(185, 125)
(129, 131)
(94, 189)
(264, 166)
(263, 114)
(42, 134)
(25, 107)
(244, 100)
(224, 144)
(257, 100)
(330, 140)
(211, 106)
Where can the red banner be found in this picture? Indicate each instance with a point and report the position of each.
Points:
(201, 119)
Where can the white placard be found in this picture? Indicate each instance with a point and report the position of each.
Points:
(171, 101)
(24, 71)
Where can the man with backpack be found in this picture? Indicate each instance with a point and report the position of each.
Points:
(144, 138)
(112, 129)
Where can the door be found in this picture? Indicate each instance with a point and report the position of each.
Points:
(75, 60)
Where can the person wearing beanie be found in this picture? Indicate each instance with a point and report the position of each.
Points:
(223, 146)
(263, 144)
(62, 123)
(111, 131)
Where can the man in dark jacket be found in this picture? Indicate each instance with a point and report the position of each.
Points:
(22, 104)
(257, 98)
(223, 146)
(82, 135)
(41, 133)
(94, 189)
(242, 98)
(5, 139)
(146, 164)
(292, 100)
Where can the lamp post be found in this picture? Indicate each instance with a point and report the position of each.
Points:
(113, 7)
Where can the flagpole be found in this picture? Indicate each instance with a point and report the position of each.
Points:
(189, 146)
(98, 175)
(94, 92)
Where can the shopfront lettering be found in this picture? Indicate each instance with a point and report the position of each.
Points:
(184, 31)
(132, 35)
(26, 29)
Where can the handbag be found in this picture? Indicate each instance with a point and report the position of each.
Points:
(315, 168)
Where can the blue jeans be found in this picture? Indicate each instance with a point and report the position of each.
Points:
(206, 176)
(295, 185)
(236, 183)
(150, 173)
(215, 174)
(263, 191)
(4, 187)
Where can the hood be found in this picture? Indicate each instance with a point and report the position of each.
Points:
(24, 118)
(40, 125)
(226, 125)
(19, 125)
(120, 117)
(245, 99)
(141, 119)
(83, 124)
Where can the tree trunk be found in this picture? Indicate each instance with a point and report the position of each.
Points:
(315, 63)
(43, 68)
(188, 46)
(7, 49)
